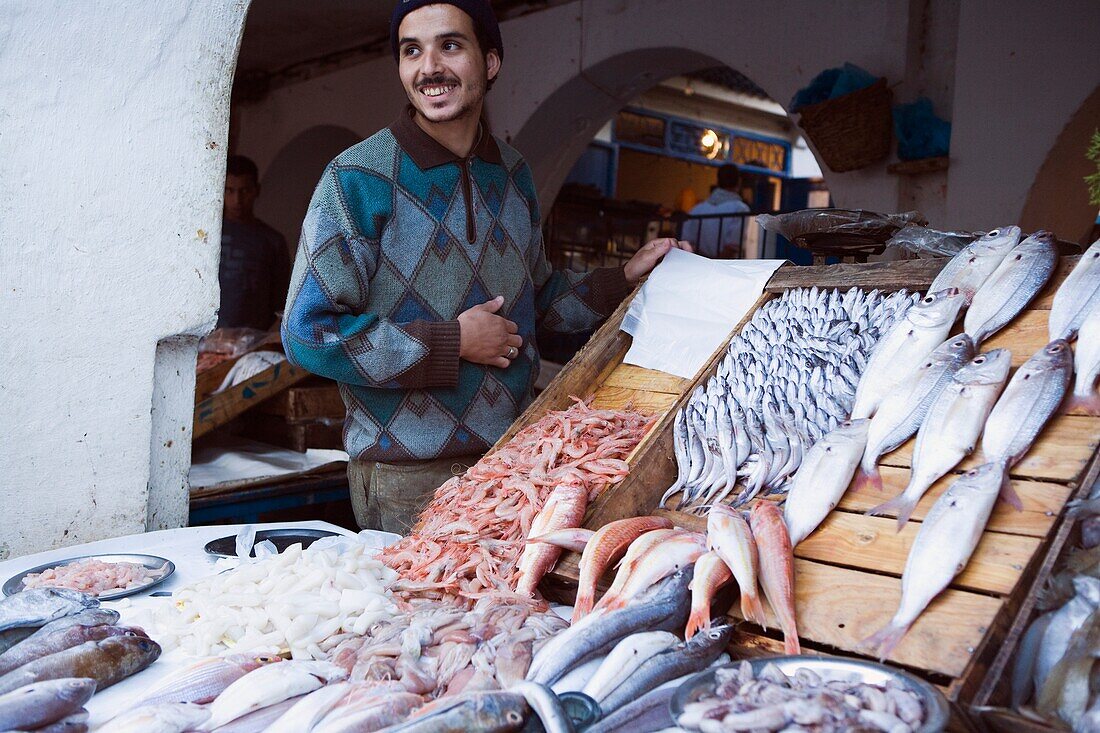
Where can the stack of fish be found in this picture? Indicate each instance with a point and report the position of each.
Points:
(788, 378)
(468, 542)
(1075, 313)
(60, 647)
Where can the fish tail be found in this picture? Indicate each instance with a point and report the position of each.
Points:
(901, 504)
(753, 610)
(883, 641)
(791, 645)
(699, 620)
(586, 598)
(1007, 492)
(868, 476)
(1086, 403)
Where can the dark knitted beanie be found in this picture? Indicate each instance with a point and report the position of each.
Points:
(485, 20)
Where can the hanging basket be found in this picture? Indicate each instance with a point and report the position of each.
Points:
(852, 131)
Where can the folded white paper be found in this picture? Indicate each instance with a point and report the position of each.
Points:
(688, 307)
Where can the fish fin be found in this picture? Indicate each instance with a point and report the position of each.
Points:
(868, 477)
(901, 504)
(699, 620)
(574, 545)
(791, 645)
(1008, 493)
(1088, 404)
(883, 641)
(753, 610)
(611, 603)
(585, 600)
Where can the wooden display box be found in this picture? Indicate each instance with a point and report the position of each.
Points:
(848, 572)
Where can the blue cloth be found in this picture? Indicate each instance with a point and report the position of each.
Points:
(253, 274)
(711, 236)
(920, 133)
(832, 83)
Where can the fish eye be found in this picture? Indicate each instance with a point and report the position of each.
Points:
(980, 360)
(994, 233)
(1019, 257)
(928, 299)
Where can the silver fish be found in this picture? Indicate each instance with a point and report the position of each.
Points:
(646, 714)
(268, 685)
(665, 608)
(546, 705)
(38, 647)
(308, 712)
(43, 703)
(107, 662)
(168, 717)
(951, 429)
(905, 347)
(1028, 402)
(975, 262)
(901, 413)
(1023, 668)
(39, 606)
(1078, 294)
(1063, 622)
(941, 550)
(1087, 364)
(479, 712)
(685, 658)
(257, 721)
(369, 714)
(626, 657)
(1015, 282)
(823, 478)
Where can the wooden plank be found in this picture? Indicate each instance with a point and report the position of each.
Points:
(210, 379)
(1042, 502)
(629, 376)
(842, 607)
(307, 403)
(919, 166)
(619, 398)
(1060, 454)
(1046, 295)
(909, 274)
(873, 544)
(217, 410)
(1024, 336)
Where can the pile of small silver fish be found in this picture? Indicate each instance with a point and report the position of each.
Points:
(788, 378)
(58, 647)
(804, 701)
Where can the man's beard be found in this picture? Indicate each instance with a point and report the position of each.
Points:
(476, 94)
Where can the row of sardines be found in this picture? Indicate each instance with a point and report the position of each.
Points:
(820, 384)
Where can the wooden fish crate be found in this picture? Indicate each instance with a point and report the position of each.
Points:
(848, 573)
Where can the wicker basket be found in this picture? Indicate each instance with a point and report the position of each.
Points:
(852, 131)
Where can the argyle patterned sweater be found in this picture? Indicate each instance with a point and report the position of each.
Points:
(401, 236)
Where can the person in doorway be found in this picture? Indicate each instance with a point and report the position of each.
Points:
(254, 272)
(420, 279)
(713, 236)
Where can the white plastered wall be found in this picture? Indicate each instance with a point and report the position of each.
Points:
(112, 152)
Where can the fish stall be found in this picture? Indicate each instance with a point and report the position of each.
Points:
(841, 521)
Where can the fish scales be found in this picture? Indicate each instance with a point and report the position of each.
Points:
(1015, 282)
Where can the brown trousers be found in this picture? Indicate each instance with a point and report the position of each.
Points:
(390, 496)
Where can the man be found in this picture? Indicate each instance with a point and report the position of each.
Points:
(718, 237)
(255, 266)
(421, 280)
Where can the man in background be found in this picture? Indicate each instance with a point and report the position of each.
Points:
(718, 237)
(254, 273)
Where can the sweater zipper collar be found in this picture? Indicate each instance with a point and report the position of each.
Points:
(467, 189)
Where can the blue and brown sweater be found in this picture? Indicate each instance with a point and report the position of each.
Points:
(402, 236)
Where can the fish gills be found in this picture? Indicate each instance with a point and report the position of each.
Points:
(951, 429)
(605, 547)
(711, 573)
(1015, 282)
(776, 569)
(824, 476)
(729, 535)
(941, 550)
(1078, 294)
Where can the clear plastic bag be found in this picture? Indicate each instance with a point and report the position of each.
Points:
(927, 242)
(803, 227)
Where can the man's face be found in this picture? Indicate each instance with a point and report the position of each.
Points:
(441, 65)
(240, 196)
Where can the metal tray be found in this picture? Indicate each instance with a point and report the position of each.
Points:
(936, 706)
(152, 562)
(281, 538)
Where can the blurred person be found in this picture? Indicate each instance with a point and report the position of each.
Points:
(421, 279)
(254, 272)
(718, 237)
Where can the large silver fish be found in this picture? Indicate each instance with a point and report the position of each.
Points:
(1063, 623)
(44, 703)
(476, 712)
(1087, 363)
(951, 429)
(165, 717)
(1029, 400)
(1078, 294)
(973, 265)
(905, 347)
(269, 685)
(1015, 282)
(647, 713)
(39, 606)
(823, 478)
(901, 413)
(941, 550)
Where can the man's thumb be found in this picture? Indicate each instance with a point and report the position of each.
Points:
(492, 306)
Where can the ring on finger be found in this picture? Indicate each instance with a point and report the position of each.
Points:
(513, 352)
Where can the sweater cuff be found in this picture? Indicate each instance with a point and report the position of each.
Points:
(440, 366)
(609, 287)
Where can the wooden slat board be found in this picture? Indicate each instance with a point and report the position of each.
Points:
(218, 409)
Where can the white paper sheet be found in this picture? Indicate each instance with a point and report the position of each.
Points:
(688, 307)
(237, 459)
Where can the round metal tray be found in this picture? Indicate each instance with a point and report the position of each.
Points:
(281, 538)
(14, 584)
(935, 705)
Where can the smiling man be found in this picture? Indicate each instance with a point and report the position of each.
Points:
(421, 281)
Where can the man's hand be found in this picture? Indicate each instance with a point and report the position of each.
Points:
(486, 338)
(648, 256)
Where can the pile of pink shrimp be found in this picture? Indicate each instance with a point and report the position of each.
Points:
(468, 540)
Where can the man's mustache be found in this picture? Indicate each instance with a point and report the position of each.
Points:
(436, 81)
